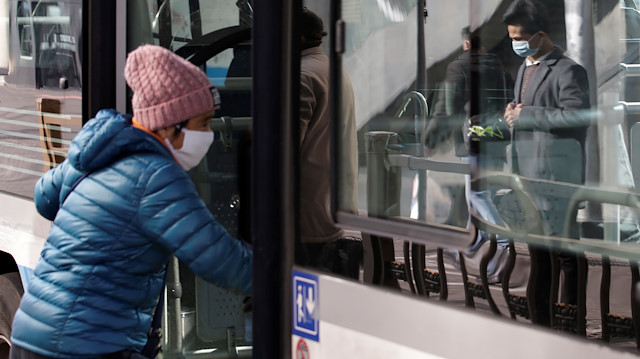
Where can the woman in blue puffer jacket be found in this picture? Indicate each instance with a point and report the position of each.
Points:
(102, 268)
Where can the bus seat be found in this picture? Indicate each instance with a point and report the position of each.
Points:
(51, 128)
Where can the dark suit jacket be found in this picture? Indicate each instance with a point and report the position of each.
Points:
(555, 112)
(456, 102)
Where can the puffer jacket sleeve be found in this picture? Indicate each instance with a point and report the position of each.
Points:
(173, 214)
(46, 194)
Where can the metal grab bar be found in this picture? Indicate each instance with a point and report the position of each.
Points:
(575, 193)
(630, 108)
(422, 103)
(630, 69)
(420, 121)
(233, 123)
(422, 163)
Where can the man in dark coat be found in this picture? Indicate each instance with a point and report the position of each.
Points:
(549, 119)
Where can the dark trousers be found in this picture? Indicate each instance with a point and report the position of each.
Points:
(342, 256)
(21, 353)
(569, 289)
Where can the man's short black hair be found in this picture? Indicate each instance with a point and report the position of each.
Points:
(472, 37)
(532, 15)
(311, 26)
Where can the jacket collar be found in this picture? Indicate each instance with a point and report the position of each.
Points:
(139, 126)
(312, 50)
(546, 62)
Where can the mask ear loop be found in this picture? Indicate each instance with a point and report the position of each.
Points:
(531, 38)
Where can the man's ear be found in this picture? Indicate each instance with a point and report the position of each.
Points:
(466, 45)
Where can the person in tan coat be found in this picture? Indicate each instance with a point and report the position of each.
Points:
(325, 245)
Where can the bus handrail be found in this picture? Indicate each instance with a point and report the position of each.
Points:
(577, 193)
(422, 163)
(231, 123)
(440, 235)
(630, 108)
(410, 96)
(627, 251)
(630, 69)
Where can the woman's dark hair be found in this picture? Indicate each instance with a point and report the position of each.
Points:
(178, 127)
(532, 15)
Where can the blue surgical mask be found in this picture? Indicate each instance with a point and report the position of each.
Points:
(522, 48)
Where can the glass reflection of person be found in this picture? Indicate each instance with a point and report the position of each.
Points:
(475, 86)
(324, 244)
(551, 97)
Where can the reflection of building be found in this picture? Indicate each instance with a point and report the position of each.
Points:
(44, 44)
(388, 47)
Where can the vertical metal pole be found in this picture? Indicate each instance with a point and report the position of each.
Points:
(417, 251)
(121, 55)
(174, 307)
(335, 98)
(579, 24)
(165, 35)
(581, 38)
(98, 73)
(421, 84)
(383, 197)
(383, 182)
(275, 66)
(196, 19)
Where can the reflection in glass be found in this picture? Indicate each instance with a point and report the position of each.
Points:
(40, 93)
(542, 159)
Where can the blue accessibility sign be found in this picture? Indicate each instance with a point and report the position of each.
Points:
(305, 305)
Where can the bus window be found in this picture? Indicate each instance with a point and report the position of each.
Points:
(24, 28)
(4, 37)
(57, 48)
(41, 92)
(178, 23)
(544, 171)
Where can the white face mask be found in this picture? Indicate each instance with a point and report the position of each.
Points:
(195, 146)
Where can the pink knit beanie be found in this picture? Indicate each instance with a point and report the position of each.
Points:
(167, 89)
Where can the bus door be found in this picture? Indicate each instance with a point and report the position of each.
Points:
(472, 237)
(200, 318)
